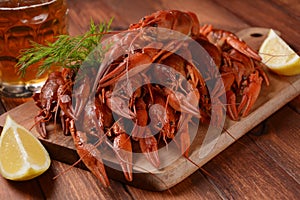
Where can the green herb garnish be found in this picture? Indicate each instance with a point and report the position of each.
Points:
(66, 51)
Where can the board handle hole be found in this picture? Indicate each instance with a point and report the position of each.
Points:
(256, 34)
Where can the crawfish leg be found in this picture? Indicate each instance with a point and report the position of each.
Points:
(65, 123)
(133, 61)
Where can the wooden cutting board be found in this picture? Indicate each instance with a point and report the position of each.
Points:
(282, 89)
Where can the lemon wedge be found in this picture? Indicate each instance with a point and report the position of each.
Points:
(278, 56)
(22, 156)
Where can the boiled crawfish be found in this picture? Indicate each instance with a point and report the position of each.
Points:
(55, 98)
(185, 95)
(241, 70)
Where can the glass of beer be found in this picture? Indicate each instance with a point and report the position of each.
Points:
(21, 22)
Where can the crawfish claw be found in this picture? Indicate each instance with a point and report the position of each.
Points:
(242, 47)
(250, 93)
(185, 142)
(231, 108)
(119, 106)
(148, 146)
(180, 103)
(123, 150)
(90, 156)
(40, 126)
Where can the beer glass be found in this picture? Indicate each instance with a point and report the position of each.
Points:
(23, 21)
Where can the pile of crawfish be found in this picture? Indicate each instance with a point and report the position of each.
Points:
(83, 115)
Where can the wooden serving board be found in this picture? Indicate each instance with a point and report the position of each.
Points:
(282, 89)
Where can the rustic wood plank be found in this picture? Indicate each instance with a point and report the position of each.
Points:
(282, 143)
(295, 104)
(20, 190)
(10, 103)
(81, 12)
(126, 12)
(291, 7)
(208, 13)
(266, 14)
(264, 179)
(77, 184)
(194, 187)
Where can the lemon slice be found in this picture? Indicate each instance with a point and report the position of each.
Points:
(22, 156)
(278, 56)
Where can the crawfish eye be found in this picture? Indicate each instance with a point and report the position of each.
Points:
(122, 92)
(159, 124)
(144, 18)
(154, 25)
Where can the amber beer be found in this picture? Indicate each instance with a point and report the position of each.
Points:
(23, 21)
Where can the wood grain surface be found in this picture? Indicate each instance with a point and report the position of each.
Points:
(263, 164)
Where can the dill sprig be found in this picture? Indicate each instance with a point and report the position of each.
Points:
(66, 51)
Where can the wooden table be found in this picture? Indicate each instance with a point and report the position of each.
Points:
(263, 164)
